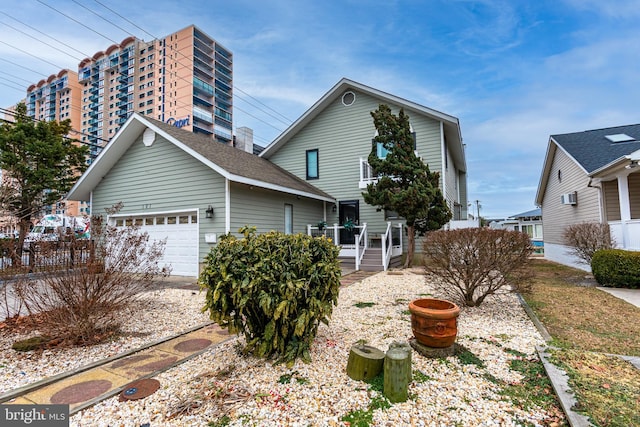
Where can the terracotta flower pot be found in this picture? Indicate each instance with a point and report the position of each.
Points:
(434, 321)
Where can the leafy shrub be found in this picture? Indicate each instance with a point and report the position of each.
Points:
(85, 286)
(474, 263)
(586, 238)
(274, 288)
(616, 268)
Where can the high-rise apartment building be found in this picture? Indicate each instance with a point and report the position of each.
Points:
(184, 78)
(58, 98)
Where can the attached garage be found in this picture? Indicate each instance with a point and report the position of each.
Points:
(186, 188)
(181, 231)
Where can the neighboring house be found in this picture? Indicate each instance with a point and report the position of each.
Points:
(591, 176)
(529, 222)
(313, 173)
(329, 144)
(190, 189)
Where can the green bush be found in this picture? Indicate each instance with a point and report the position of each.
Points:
(274, 288)
(616, 268)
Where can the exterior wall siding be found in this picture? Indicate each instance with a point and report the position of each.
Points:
(634, 195)
(556, 216)
(611, 200)
(163, 178)
(264, 209)
(343, 135)
(452, 191)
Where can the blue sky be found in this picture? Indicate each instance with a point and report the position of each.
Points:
(513, 72)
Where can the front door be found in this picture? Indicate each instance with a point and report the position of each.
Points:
(349, 210)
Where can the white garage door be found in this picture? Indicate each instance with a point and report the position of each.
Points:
(181, 232)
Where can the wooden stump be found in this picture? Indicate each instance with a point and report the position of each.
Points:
(365, 362)
(406, 347)
(397, 374)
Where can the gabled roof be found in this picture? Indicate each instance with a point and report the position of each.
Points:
(592, 151)
(451, 123)
(232, 163)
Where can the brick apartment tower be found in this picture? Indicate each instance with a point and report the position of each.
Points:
(184, 78)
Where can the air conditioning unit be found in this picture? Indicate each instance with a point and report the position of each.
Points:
(569, 198)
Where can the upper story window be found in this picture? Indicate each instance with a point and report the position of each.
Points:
(312, 164)
(382, 152)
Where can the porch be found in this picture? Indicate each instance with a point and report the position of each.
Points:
(626, 234)
(362, 248)
(621, 208)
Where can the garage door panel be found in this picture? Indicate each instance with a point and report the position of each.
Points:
(181, 248)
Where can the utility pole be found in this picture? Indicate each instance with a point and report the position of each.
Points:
(477, 202)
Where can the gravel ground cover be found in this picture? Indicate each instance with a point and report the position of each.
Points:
(160, 314)
(222, 387)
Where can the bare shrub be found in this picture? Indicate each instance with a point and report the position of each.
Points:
(586, 238)
(87, 285)
(474, 263)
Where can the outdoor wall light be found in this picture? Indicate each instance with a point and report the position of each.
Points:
(334, 209)
(209, 212)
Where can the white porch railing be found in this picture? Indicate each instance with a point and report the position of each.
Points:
(361, 243)
(391, 241)
(367, 175)
(626, 233)
(333, 232)
(387, 245)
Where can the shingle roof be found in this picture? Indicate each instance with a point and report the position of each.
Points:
(593, 150)
(234, 164)
(238, 162)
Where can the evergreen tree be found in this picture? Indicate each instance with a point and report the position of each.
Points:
(39, 165)
(405, 184)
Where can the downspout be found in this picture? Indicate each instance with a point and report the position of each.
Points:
(443, 162)
(227, 206)
(600, 198)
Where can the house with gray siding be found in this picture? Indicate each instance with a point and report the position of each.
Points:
(329, 144)
(183, 187)
(591, 176)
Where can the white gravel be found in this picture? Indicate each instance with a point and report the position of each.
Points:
(163, 313)
(249, 390)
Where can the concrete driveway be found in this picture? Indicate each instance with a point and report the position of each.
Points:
(632, 296)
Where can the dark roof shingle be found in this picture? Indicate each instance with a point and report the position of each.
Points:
(593, 150)
(238, 162)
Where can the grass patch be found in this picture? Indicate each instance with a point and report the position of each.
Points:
(535, 389)
(466, 357)
(286, 378)
(221, 422)
(421, 377)
(584, 323)
(364, 417)
(607, 388)
(361, 304)
(574, 314)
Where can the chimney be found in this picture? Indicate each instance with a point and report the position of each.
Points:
(244, 139)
